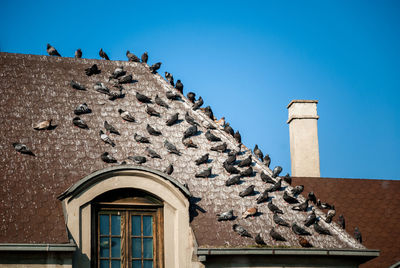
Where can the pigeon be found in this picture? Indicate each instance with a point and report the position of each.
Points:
(151, 153)
(113, 95)
(304, 243)
(142, 98)
(202, 160)
(126, 115)
(232, 180)
(92, 70)
(172, 120)
(118, 72)
(298, 189)
(277, 170)
(249, 212)
(211, 137)
(276, 186)
(106, 157)
(110, 128)
(126, 79)
(52, 51)
(189, 143)
(248, 191)
(259, 240)
(179, 86)
(298, 230)
(191, 97)
(247, 172)
(172, 96)
(219, 148)
(221, 122)
(321, 230)
(43, 125)
(141, 139)
(82, 109)
(331, 213)
(258, 152)
(171, 148)
(101, 88)
(246, 162)
(278, 220)
(169, 169)
(191, 131)
(170, 78)
(204, 174)
(22, 148)
(78, 53)
(79, 123)
(262, 197)
(266, 178)
(312, 197)
(228, 129)
(145, 57)
(342, 222)
(138, 159)
(198, 104)
(237, 136)
(190, 119)
(154, 68)
(104, 137)
(267, 160)
(208, 111)
(160, 102)
(323, 205)
(103, 55)
(311, 218)
(289, 199)
(226, 216)
(152, 112)
(132, 57)
(276, 236)
(231, 159)
(231, 169)
(274, 208)
(288, 179)
(152, 131)
(76, 85)
(357, 235)
(240, 230)
(302, 207)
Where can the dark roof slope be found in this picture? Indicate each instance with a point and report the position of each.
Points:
(372, 205)
(35, 88)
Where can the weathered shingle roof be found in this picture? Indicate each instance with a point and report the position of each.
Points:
(36, 88)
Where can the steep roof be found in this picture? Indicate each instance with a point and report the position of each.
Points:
(36, 88)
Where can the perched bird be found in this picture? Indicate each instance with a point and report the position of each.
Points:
(113, 95)
(78, 53)
(172, 120)
(276, 236)
(323, 205)
(237, 136)
(189, 143)
(298, 230)
(170, 78)
(138, 159)
(267, 160)
(221, 122)
(118, 72)
(171, 148)
(342, 222)
(179, 86)
(152, 131)
(240, 230)
(145, 57)
(126, 115)
(208, 111)
(220, 148)
(311, 218)
(198, 104)
(110, 128)
(103, 55)
(278, 220)
(151, 153)
(259, 240)
(312, 197)
(266, 178)
(189, 132)
(76, 85)
(248, 191)
(126, 79)
(276, 186)
(211, 137)
(190, 119)
(228, 129)
(142, 98)
(169, 169)
(231, 158)
(106, 157)
(101, 88)
(104, 137)
(274, 208)
(230, 169)
(172, 96)
(321, 230)
(226, 216)
(52, 51)
(288, 179)
(302, 207)
(249, 212)
(132, 57)
(298, 189)
(258, 152)
(357, 235)
(92, 70)
(160, 102)
(141, 139)
(22, 148)
(262, 197)
(277, 170)
(304, 243)
(82, 109)
(79, 123)
(246, 162)
(232, 180)
(191, 97)
(330, 214)
(204, 174)
(154, 68)
(202, 160)
(151, 111)
(289, 199)
(247, 172)
(43, 125)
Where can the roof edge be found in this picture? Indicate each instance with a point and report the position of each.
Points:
(71, 247)
(301, 101)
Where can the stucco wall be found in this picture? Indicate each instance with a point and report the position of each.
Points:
(35, 260)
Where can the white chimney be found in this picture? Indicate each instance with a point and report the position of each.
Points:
(303, 131)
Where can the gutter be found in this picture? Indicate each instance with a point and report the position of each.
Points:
(38, 247)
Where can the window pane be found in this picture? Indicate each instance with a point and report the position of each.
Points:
(136, 248)
(136, 264)
(115, 224)
(148, 225)
(148, 264)
(104, 247)
(104, 224)
(116, 264)
(104, 264)
(115, 247)
(136, 226)
(147, 247)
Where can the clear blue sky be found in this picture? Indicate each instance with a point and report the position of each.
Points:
(248, 60)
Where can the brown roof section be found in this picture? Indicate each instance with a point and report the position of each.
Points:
(35, 88)
(372, 205)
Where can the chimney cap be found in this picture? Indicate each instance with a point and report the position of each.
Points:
(301, 101)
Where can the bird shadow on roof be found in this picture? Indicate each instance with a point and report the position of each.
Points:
(194, 208)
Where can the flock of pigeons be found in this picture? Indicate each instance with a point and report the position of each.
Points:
(120, 77)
